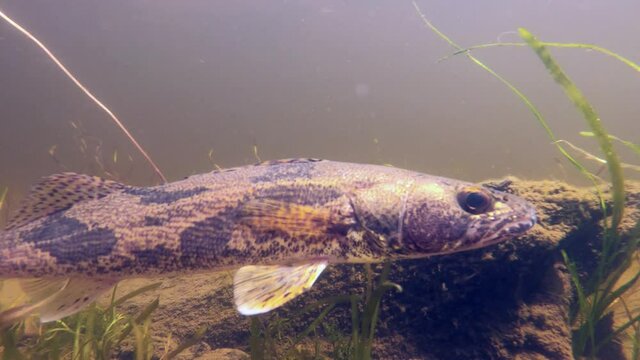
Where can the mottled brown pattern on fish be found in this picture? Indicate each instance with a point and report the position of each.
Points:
(283, 211)
(188, 224)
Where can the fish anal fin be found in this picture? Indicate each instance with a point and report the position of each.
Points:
(39, 292)
(41, 288)
(59, 192)
(54, 299)
(259, 289)
(265, 215)
(77, 294)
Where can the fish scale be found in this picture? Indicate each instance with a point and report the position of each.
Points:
(287, 218)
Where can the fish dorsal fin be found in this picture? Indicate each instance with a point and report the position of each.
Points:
(59, 192)
(55, 299)
(288, 161)
(294, 219)
(259, 289)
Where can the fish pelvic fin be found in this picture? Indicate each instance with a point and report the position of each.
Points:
(260, 289)
(59, 192)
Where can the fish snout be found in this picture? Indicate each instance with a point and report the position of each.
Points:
(517, 220)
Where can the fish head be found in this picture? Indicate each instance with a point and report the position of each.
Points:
(442, 216)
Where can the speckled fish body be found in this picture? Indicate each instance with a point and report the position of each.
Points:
(284, 211)
(281, 223)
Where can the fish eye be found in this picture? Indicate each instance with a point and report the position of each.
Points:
(475, 201)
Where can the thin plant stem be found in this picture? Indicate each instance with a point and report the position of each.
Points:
(589, 156)
(536, 113)
(87, 92)
(592, 118)
(596, 48)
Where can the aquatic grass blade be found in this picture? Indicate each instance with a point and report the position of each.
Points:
(607, 272)
(592, 47)
(634, 147)
(186, 344)
(592, 118)
(368, 319)
(256, 343)
(583, 303)
(591, 308)
(311, 327)
(9, 341)
(3, 196)
(590, 156)
(532, 108)
(142, 316)
(135, 293)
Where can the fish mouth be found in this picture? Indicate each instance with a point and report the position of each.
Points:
(514, 226)
(489, 231)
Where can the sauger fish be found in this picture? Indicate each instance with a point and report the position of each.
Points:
(278, 223)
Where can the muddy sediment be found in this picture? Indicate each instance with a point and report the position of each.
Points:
(508, 301)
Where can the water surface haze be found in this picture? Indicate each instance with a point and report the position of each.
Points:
(201, 83)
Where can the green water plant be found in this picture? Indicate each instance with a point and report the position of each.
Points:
(3, 207)
(364, 322)
(591, 47)
(632, 146)
(3, 196)
(589, 156)
(364, 312)
(602, 289)
(95, 333)
(615, 254)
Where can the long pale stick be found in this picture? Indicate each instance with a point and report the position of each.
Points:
(86, 91)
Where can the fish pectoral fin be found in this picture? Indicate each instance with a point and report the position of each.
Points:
(259, 289)
(59, 192)
(55, 299)
(265, 215)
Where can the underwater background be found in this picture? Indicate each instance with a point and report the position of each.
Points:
(209, 84)
(354, 81)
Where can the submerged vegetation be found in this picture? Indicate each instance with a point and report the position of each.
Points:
(617, 254)
(100, 331)
(602, 288)
(364, 310)
(95, 333)
(3, 196)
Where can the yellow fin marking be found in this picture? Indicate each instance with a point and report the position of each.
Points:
(294, 219)
(259, 289)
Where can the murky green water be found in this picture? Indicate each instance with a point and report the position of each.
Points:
(206, 84)
(352, 81)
